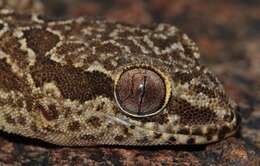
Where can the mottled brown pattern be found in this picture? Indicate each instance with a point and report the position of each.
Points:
(94, 121)
(38, 108)
(69, 48)
(130, 44)
(74, 83)
(71, 70)
(88, 137)
(209, 92)
(186, 77)
(191, 115)
(21, 120)
(12, 47)
(108, 47)
(10, 119)
(72, 51)
(74, 126)
(164, 43)
(78, 86)
(8, 80)
(40, 40)
(51, 113)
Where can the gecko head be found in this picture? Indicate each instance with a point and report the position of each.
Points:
(107, 83)
(163, 107)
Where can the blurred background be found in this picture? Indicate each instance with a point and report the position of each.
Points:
(228, 35)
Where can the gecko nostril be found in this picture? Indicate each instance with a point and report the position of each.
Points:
(140, 92)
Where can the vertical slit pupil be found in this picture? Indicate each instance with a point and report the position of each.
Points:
(142, 89)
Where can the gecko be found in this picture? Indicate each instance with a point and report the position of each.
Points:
(88, 82)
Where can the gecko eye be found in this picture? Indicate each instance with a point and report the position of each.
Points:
(140, 92)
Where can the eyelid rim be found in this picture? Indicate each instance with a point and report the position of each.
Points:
(165, 79)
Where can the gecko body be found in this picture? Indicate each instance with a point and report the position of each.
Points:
(84, 82)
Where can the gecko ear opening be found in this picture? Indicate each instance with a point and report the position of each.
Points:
(141, 91)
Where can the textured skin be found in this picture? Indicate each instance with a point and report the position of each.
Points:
(57, 83)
